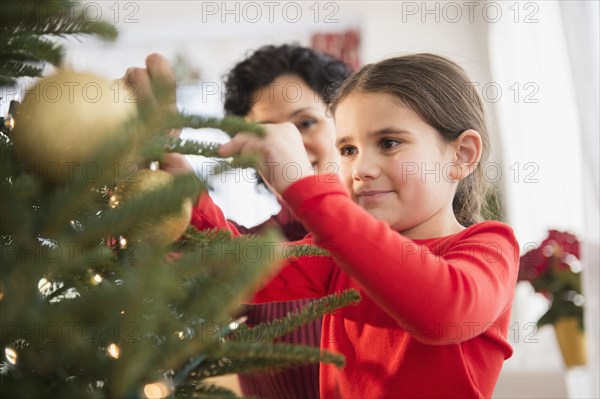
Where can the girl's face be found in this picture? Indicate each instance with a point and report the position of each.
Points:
(396, 166)
(290, 99)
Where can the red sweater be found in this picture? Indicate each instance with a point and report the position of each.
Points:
(294, 383)
(434, 314)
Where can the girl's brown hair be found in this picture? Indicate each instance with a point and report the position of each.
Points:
(440, 92)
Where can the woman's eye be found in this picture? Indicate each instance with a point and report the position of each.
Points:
(388, 144)
(347, 151)
(306, 124)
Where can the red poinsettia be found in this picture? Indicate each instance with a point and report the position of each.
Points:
(554, 269)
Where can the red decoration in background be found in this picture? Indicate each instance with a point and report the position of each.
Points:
(554, 270)
(537, 261)
(344, 46)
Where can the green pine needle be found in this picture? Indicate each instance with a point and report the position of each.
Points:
(295, 251)
(262, 356)
(9, 70)
(31, 48)
(269, 331)
(175, 144)
(230, 124)
(24, 31)
(201, 389)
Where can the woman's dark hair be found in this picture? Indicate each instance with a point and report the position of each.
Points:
(321, 72)
(443, 95)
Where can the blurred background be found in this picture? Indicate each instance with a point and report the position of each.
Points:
(535, 64)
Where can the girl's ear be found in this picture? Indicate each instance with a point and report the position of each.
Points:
(467, 153)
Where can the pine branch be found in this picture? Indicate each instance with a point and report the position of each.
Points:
(239, 161)
(176, 144)
(194, 238)
(230, 124)
(65, 27)
(203, 390)
(10, 70)
(296, 251)
(255, 356)
(269, 331)
(22, 30)
(229, 276)
(32, 49)
(162, 144)
(158, 203)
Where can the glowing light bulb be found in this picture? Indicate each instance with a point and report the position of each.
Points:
(11, 355)
(157, 390)
(97, 279)
(123, 243)
(44, 285)
(113, 350)
(113, 201)
(236, 323)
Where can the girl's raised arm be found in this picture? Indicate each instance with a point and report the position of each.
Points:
(467, 281)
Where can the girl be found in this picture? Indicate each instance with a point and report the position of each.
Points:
(402, 225)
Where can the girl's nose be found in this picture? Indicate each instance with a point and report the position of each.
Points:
(364, 168)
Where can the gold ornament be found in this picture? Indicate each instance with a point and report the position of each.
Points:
(160, 231)
(67, 117)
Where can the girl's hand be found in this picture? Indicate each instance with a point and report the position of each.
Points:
(284, 160)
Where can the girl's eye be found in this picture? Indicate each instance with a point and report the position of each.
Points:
(306, 124)
(388, 144)
(347, 151)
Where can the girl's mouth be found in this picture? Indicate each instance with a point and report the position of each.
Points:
(369, 198)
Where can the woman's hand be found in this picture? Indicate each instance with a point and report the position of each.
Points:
(176, 164)
(154, 85)
(284, 160)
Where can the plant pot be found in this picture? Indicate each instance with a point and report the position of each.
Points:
(571, 341)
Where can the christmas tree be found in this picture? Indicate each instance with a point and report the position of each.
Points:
(99, 294)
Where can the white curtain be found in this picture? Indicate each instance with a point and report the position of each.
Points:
(581, 24)
(546, 60)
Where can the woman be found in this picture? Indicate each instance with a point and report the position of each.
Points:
(275, 84)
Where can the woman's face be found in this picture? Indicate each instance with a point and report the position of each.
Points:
(290, 99)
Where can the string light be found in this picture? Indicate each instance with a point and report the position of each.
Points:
(157, 390)
(44, 286)
(113, 201)
(236, 323)
(97, 279)
(154, 165)
(11, 355)
(122, 242)
(113, 351)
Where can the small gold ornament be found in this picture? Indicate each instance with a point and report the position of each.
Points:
(65, 118)
(160, 231)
